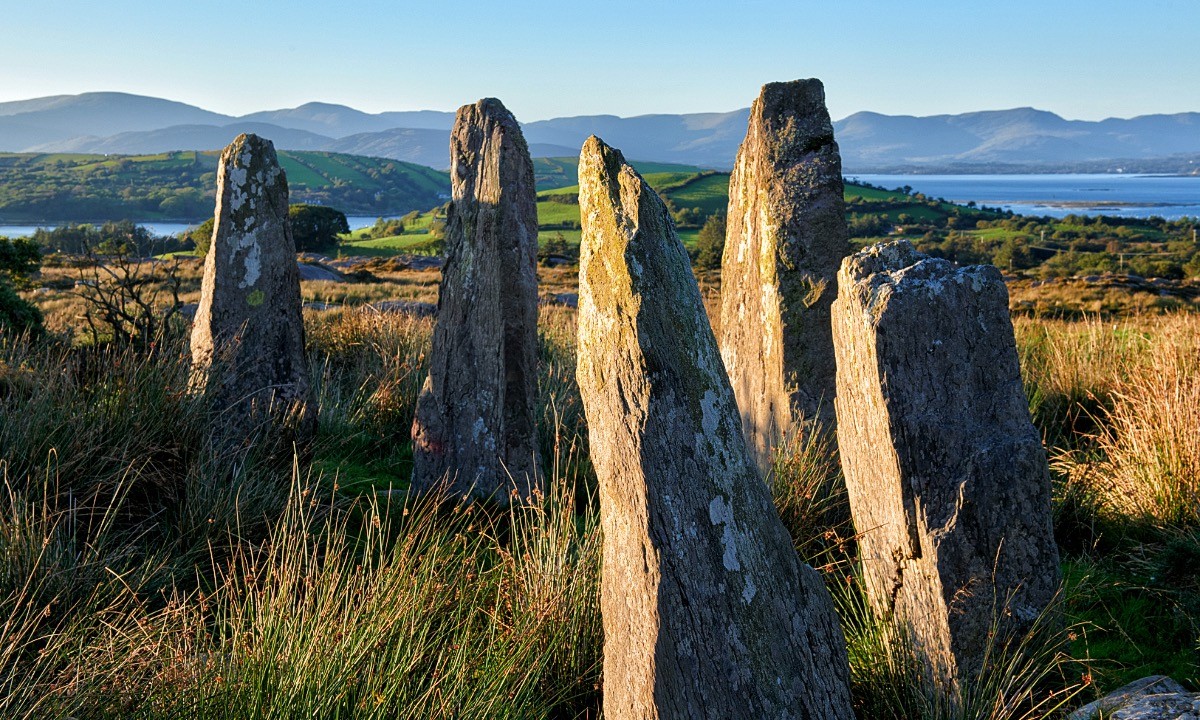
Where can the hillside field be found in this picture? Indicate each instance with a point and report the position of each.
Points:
(181, 185)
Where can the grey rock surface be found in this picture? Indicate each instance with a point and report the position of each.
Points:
(475, 429)
(318, 271)
(570, 300)
(786, 236)
(707, 610)
(248, 334)
(1170, 706)
(946, 474)
(1126, 694)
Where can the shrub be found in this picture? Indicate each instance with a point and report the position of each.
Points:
(316, 228)
(710, 243)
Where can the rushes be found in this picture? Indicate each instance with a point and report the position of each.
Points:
(420, 611)
(1150, 439)
(810, 494)
(143, 576)
(1028, 678)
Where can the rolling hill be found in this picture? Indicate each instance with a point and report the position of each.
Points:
(180, 185)
(1016, 140)
(1023, 137)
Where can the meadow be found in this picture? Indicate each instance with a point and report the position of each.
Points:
(148, 575)
(55, 188)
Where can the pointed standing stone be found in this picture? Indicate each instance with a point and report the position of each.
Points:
(475, 426)
(786, 234)
(248, 335)
(707, 611)
(946, 473)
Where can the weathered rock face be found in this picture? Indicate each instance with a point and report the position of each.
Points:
(475, 428)
(708, 613)
(786, 235)
(946, 473)
(1154, 686)
(1176, 706)
(248, 335)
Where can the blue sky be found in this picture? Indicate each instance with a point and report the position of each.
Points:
(1085, 60)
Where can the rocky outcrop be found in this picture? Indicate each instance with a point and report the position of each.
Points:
(786, 235)
(1171, 706)
(475, 429)
(946, 473)
(707, 611)
(1128, 696)
(248, 335)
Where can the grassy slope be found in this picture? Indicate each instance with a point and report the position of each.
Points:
(331, 604)
(560, 172)
(180, 185)
(685, 187)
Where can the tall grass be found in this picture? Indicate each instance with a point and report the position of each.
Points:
(1032, 677)
(419, 611)
(1071, 370)
(810, 495)
(144, 575)
(1149, 440)
(1118, 403)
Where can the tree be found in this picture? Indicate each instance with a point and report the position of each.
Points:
(19, 259)
(316, 228)
(710, 243)
(201, 236)
(129, 302)
(1012, 255)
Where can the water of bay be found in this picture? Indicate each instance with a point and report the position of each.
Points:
(1168, 196)
(162, 229)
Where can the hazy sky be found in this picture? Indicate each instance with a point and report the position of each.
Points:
(1085, 59)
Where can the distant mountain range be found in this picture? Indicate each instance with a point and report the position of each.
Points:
(1022, 139)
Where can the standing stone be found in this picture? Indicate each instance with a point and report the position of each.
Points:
(707, 611)
(475, 429)
(248, 335)
(946, 474)
(786, 235)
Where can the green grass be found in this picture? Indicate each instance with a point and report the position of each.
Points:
(873, 194)
(561, 172)
(710, 193)
(180, 185)
(145, 575)
(688, 237)
(705, 190)
(396, 242)
(555, 213)
(388, 246)
(572, 237)
(299, 174)
(997, 234)
(1135, 624)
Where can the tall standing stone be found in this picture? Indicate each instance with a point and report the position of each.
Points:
(707, 611)
(475, 428)
(248, 335)
(786, 235)
(946, 473)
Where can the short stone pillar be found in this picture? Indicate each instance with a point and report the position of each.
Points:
(946, 473)
(248, 335)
